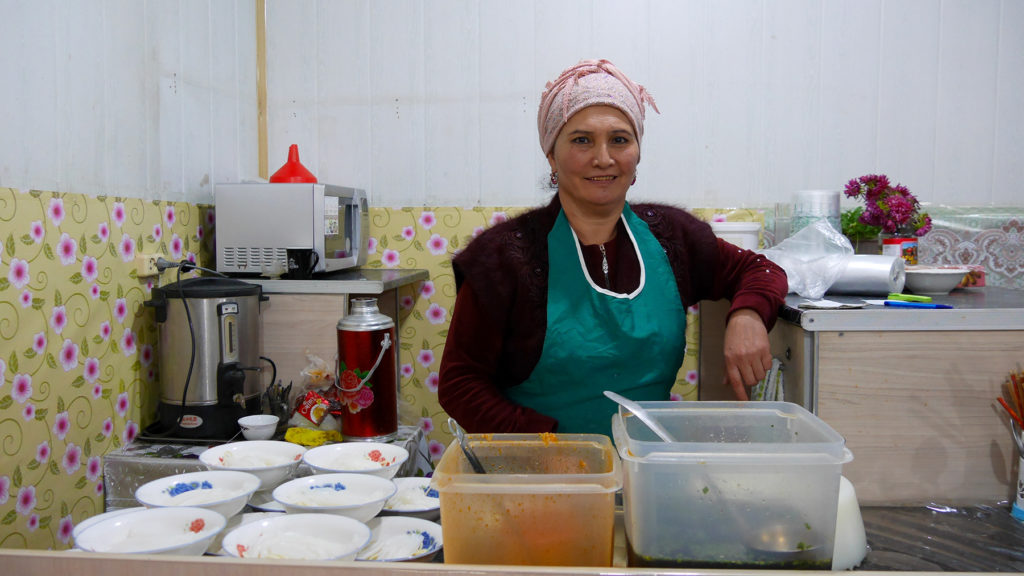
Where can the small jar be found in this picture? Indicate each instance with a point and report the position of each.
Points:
(899, 244)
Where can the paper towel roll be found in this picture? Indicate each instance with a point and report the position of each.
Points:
(868, 274)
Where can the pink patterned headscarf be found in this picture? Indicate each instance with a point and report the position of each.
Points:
(589, 83)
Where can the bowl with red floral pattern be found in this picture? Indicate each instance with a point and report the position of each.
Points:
(376, 458)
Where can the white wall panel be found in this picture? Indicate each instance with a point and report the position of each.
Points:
(452, 118)
(343, 93)
(1008, 157)
(434, 102)
(127, 98)
(397, 106)
(733, 147)
(293, 51)
(124, 123)
(226, 95)
(789, 101)
(164, 21)
(29, 99)
(83, 112)
(672, 158)
(907, 94)
(964, 117)
(849, 95)
(197, 89)
(509, 148)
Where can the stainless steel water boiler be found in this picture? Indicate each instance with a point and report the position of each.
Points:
(209, 355)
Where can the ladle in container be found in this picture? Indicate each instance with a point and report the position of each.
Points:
(778, 542)
(642, 414)
(460, 434)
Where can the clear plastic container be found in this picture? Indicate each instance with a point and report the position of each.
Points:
(747, 485)
(546, 500)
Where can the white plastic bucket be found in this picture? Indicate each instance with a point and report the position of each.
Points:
(743, 234)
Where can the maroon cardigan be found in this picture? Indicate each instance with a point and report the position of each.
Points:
(497, 327)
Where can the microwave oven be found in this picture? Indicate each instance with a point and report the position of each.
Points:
(258, 222)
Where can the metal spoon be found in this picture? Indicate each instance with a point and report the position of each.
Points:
(642, 414)
(460, 434)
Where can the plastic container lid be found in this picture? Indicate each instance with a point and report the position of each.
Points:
(817, 202)
(751, 431)
(293, 170)
(530, 464)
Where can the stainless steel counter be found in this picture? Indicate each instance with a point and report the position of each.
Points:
(986, 308)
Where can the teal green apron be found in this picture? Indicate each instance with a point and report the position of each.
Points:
(598, 340)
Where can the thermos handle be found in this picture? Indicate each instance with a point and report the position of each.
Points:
(384, 345)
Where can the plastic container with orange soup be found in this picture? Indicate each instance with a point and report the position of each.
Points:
(546, 500)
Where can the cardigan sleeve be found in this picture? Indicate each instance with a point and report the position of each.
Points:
(496, 332)
(468, 388)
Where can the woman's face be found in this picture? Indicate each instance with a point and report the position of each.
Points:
(595, 155)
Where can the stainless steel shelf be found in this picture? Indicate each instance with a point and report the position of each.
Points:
(351, 281)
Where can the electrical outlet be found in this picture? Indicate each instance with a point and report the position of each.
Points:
(145, 264)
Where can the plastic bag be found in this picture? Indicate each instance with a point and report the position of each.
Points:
(315, 398)
(813, 258)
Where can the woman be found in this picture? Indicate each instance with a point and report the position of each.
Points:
(590, 293)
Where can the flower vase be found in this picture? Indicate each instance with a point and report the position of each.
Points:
(899, 244)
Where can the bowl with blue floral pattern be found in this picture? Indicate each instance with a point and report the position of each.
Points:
(359, 496)
(415, 497)
(224, 491)
(402, 539)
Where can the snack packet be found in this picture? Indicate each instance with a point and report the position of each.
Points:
(313, 407)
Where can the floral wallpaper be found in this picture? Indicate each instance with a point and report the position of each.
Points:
(77, 368)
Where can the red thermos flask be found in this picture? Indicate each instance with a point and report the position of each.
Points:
(367, 379)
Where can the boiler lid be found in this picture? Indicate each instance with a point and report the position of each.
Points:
(207, 287)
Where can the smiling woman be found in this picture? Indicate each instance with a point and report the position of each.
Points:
(590, 293)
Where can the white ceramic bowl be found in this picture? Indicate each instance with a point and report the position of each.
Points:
(414, 498)
(81, 526)
(225, 491)
(377, 458)
(258, 426)
(270, 460)
(934, 280)
(216, 547)
(299, 536)
(359, 496)
(185, 531)
(402, 539)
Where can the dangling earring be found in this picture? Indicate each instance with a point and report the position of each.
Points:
(554, 177)
(634, 178)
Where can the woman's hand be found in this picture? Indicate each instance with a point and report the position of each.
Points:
(747, 351)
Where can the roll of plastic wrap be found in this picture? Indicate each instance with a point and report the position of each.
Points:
(869, 275)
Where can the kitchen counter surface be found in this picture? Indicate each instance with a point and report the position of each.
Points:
(350, 281)
(988, 308)
(923, 540)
